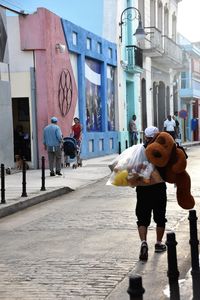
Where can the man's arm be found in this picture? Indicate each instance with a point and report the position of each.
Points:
(59, 134)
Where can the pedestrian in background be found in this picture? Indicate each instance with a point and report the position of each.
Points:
(77, 135)
(133, 131)
(176, 119)
(169, 126)
(177, 128)
(52, 140)
(151, 199)
(77, 131)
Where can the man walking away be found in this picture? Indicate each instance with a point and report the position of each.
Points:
(169, 126)
(52, 139)
(151, 199)
(133, 131)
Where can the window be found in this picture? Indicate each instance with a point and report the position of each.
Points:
(101, 144)
(74, 38)
(89, 43)
(166, 21)
(153, 13)
(91, 146)
(110, 52)
(184, 80)
(174, 24)
(99, 47)
(160, 15)
(111, 143)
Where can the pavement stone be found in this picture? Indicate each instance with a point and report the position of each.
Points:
(92, 170)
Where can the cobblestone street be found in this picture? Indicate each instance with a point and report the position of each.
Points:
(81, 245)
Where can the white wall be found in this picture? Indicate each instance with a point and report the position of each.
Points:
(74, 63)
(20, 61)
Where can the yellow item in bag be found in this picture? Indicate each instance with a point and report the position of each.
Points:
(121, 178)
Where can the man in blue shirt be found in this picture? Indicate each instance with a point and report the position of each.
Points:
(52, 139)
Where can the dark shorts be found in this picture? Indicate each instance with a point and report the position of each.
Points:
(151, 199)
(172, 133)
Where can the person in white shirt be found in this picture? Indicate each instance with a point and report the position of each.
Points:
(169, 126)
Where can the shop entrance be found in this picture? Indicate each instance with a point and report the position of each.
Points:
(21, 127)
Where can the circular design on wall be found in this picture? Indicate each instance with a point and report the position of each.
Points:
(65, 92)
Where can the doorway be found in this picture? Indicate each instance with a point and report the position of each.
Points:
(21, 127)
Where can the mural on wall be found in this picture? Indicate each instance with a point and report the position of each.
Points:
(110, 98)
(65, 92)
(93, 95)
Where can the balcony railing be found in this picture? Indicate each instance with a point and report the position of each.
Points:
(134, 57)
(162, 49)
(152, 45)
(172, 50)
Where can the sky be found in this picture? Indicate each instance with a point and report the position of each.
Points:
(71, 10)
(74, 11)
(189, 19)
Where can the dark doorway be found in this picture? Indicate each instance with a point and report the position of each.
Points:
(21, 127)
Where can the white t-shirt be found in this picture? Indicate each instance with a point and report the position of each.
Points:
(169, 125)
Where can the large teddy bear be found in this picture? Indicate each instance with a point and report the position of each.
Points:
(170, 161)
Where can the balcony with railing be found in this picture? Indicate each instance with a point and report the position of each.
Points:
(134, 59)
(162, 49)
(173, 54)
(152, 45)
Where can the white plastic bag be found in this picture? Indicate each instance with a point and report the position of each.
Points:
(131, 168)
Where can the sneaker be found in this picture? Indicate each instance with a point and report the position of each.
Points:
(58, 173)
(160, 248)
(52, 173)
(143, 252)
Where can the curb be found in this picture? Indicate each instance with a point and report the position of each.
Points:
(32, 200)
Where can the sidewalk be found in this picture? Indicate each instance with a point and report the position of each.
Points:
(92, 170)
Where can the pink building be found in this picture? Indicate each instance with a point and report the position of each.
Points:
(56, 91)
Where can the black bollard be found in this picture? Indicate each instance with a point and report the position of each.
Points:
(24, 194)
(173, 273)
(120, 150)
(135, 289)
(43, 175)
(126, 144)
(3, 184)
(194, 247)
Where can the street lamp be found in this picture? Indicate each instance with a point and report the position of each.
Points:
(128, 15)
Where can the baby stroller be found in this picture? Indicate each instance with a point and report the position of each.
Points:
(72, 152)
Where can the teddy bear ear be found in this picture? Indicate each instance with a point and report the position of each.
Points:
(180, 163)
(183, 193)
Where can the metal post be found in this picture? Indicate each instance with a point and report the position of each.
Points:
(173, 273)
(194, 246)
(135, 289)
(3, 184)
(24, 194)
(43, 175)
(120, 150)
(141, 137)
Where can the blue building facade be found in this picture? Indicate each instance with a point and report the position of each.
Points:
(96, 81)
